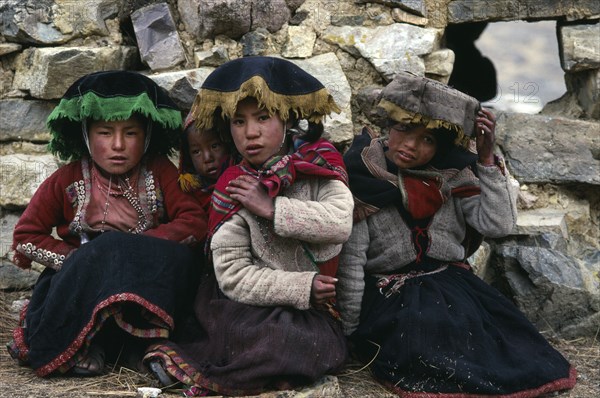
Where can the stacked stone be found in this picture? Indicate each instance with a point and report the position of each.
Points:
(552, 261)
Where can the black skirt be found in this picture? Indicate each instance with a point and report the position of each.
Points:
(447, 333)
(137, 282)
(238, 349)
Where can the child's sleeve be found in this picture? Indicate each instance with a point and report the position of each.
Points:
(243, 281)
(32, 236)
(350, 276)
(186, 217)
(327, 219)
(494, 211)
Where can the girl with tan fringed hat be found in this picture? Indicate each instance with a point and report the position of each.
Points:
(265, 320)
(410, 303)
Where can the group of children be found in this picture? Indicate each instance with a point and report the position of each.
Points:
(268, 259)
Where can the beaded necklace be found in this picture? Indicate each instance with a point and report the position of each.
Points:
(133, 199)
(125, 189)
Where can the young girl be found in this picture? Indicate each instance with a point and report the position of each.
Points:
(276, 220)
(202, 159)
(429, 326)
(117, 275)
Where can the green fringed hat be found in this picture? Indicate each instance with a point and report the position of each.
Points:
(113, 95)
(277, 84)
(412, 99)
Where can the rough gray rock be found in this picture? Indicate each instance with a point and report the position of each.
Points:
(51, 22)
(24, 120)
(460, 11)
(585, 85)
(544, 280)
(21, 176)
(541, 149)
(182, 86)
(580, 47)
(208, 18)
(14, 278)
(47, 72)
(388, 48)
(157, 37)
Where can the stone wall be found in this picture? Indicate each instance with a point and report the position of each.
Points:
(550, 264)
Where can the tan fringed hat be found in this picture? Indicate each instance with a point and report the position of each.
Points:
(277, 84)
(413, 99)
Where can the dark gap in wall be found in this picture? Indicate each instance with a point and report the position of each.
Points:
(473, 73)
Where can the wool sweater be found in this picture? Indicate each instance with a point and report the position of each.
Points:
(273, 263)
(382, 243)
(62, 199)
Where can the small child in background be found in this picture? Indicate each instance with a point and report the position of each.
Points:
(202, 159)
(410, 303)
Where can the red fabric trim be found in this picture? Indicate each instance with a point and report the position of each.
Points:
(329, 267)
(22, 349)
(423, 196)
(557, 385)
(184, 372)
(78, 342)
(466, 191)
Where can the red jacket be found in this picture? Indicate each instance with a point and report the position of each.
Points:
(61, 201)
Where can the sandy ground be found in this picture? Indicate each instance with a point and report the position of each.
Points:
(355, 382)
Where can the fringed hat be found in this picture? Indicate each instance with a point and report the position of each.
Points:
(113, 95)
(278, 85)
(413, 99)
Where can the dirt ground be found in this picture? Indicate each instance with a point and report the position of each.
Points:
(355, 382)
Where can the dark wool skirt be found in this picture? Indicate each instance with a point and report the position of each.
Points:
(238, 349)
(449, 334)
(137, 282)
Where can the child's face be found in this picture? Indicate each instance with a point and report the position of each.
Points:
(206, 151)
(117, 146)
(256, 134)
(410, 146)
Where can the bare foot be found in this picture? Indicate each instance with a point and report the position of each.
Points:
(92, 363)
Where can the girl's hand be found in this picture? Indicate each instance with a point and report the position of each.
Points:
(252, 195)
(323, 288)
(485, 136)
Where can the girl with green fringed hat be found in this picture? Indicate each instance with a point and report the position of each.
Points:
(411, 305)
(118, 271)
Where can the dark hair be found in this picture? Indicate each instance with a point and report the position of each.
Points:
(311, 133)
(445, 139)
(448, 154)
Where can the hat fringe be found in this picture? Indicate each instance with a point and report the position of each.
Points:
(313, 106)
(188, 182)
(92, 106)
(402, 115)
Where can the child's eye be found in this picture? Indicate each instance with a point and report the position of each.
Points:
(264, 117)
(237, 122)
(216, 145)
(132, 133)
(195, 151)
(429, 140)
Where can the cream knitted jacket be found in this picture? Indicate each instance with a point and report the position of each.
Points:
(382, 243)
(270, 263)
